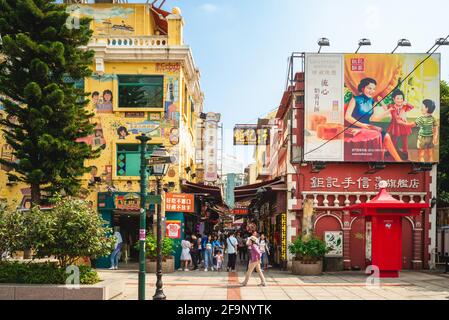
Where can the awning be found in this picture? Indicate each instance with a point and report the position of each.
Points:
(214, 192)
(248, 192)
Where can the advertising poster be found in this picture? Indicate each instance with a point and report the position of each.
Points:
(363, 107)
(173, 229)
(334, 241)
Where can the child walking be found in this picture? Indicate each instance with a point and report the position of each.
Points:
(398, 129)
(219, 259)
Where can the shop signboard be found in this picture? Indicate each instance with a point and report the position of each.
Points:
(372, 107)
(179, 202)
(240, 211)
(251, 134)
(211, 146)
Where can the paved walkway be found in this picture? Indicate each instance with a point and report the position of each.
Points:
(282, 285)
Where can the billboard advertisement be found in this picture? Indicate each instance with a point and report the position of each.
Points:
(372, 107)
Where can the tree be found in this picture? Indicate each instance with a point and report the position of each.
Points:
(443, 166)
(46, 112)
(77, 231)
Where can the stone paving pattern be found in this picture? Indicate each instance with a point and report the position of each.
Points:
(283, 285)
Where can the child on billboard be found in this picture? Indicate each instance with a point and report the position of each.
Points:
(398, 129)
(428, 131)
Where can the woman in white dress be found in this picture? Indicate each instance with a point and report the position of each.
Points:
(185, 254)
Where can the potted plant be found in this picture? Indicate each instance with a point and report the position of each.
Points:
(168, 261)
(308, 255)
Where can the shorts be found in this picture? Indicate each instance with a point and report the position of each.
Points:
(425, 142)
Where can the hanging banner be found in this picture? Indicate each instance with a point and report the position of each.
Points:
(283, 236)
(210, 149)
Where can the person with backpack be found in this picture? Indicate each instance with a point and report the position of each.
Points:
(231, 245)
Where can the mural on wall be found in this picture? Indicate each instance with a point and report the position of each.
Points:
(7, 155)
(151, 128)
(96, 139)
(107, 20)
(334, 241)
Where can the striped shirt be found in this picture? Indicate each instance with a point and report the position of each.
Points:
(425, 125)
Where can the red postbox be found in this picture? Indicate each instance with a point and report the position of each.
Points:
(386, 214)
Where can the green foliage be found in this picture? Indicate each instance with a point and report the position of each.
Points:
(443, 166)
(68, 231)
(308, 250)
(50, 114)
(77, 231)
(12, 231)
(42, 273)
(168, 246)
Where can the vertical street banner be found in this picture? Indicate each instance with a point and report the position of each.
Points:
(210, 149)
(372, 107)
(283, 236)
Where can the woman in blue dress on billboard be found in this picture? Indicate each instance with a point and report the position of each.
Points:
(360, 113)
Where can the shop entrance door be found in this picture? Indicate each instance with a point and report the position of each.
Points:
(129, 224)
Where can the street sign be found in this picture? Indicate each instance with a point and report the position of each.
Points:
(154, 199)
(158, 160)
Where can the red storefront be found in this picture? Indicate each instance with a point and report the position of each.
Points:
(340, 185)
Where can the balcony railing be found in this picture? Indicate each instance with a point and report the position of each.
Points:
(130, 41)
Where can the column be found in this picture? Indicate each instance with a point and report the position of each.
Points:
(346, 239)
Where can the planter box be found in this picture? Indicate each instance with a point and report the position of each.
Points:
(307, 269)
(168, 266)
(104, 290)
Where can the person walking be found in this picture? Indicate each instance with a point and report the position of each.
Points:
(194, 252)
(241, 248)
(185, 254)
(208, 261)
(231, 245)
(255, 262)
(248, 245)
(265, 251)
(216, 245)
(203, 248)
(115, 255)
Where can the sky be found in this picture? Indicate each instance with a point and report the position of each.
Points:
(241, 46)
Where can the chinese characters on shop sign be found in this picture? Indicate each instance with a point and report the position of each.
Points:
(362, 183)
(179, 202)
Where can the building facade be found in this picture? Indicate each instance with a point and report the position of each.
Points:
(296, 197)
(144, 81)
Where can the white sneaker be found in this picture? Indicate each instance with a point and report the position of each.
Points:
(111, 268)
(116, 268)
(205, 269)
(186, 270)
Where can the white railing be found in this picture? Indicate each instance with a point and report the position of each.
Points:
(130, 41)
(333, 199)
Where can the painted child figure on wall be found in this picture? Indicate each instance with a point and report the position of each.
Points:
(398, 129)
(428, 131)
(106, 105)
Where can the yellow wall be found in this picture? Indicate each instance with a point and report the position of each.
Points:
(137, 16)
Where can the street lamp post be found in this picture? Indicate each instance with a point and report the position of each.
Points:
(159, 171)
(143, 194)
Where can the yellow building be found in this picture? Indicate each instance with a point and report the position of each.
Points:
(144, 81)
